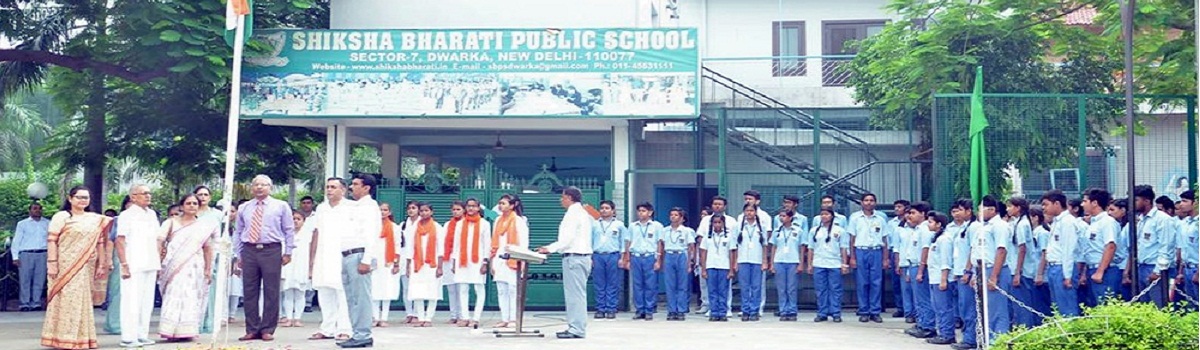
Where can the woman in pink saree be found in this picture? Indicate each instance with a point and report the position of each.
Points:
(186, 272)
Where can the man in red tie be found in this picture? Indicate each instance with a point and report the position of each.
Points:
(263, 244)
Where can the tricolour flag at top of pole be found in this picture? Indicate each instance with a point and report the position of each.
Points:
(979, 170)
(233, 9)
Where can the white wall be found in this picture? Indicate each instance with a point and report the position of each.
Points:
(728, 29)
(1161, 156)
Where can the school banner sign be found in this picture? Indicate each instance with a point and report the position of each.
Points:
(611, 72)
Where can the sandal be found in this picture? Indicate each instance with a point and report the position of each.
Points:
(382, 324)
(501, 325)
(319, 336)
(463, 323)
(410, 319)
(426, 324)
(473, 324)
(342, 337)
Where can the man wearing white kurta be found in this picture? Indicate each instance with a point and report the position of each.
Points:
(137, 248)
(359, 257)
(575, 244)
(333, 217)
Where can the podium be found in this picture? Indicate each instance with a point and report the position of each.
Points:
(524, 257)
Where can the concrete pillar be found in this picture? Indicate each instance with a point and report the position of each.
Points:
(622, 160)
(390, 167)
(337, 151)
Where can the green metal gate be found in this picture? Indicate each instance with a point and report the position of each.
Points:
(539, 194)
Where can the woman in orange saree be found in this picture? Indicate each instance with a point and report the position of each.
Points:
(78, 253)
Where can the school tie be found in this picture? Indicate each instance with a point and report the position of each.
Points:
(256, 222)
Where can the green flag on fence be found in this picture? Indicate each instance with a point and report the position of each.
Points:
(979, 171)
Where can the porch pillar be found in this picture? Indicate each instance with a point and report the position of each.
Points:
(337, 151)
(622, 160)
(390, 167)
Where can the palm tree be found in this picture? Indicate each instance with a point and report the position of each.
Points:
(19, 123)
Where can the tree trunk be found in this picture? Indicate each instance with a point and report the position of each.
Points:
(96, 149)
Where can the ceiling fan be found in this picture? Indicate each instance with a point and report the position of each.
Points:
(499, 146)
(554, 166)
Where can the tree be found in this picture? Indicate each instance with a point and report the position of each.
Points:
(1023, 46)
(1164, 46)
(20, 122)
(365, 158)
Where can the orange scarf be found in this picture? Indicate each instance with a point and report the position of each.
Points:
(473, 226)
(450, 230)
(425, 251)
(507, 224)
(389, 238)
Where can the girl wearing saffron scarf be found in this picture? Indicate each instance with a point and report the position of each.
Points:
(472, 248)
(404, 239)
(425, 267)
(457, 211)
(511, 229)
(385, 281)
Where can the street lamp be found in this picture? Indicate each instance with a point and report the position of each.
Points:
(37, 191)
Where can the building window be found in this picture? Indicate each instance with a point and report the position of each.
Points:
(788, 42)
(838, 39)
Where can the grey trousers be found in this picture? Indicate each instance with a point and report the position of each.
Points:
(33, 278)
(358, 296)
(576, 269)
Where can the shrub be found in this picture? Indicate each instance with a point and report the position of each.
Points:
(1114, 325)
(14, 202)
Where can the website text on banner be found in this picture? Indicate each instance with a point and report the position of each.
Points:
(444, 73)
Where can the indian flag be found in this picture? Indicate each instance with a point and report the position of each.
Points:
(235, 10)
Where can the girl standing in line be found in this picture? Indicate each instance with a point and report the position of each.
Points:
(295, 275)
(407, 229)
(385, 281)
(473, 243)
(964, 228)
(511, 229)
(717, 252)
(1041, 235)
(458, 211)
(941, 280)
(425, 267)
(751, 238)
(827, 257)
(785, 263)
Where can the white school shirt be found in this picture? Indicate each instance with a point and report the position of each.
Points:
(1021, 233)
(643, 237)
(765, 219)
(787, 244)
(750, 242)
(828, 255)
(996, 234)
(962, 243)
(676, 239)
(1102, 231)
(1060, 248)
(717, 249)
(941, 257)
(868, 231)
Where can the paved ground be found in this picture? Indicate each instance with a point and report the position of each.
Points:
(21, 331)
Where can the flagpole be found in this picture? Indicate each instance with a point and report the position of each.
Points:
(231, 140)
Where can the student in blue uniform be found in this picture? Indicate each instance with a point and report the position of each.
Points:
(751, 238)
(868, 231)
(717, 250)
(1189, 248)
(906, 260)
(940, 262)
(918, 252)
(791, 202)
(608, 241)
(1082, 291)
(720, 206)
(675, 252)
(640, 257)
(827, 262)
(996, 238)
(785, 263)
(1039, 294)
(1018, 260)
(1156, 233)
(899, 207)
(965, 230)
(1058, 265)
(827, 202)
(1118, 210)
(1100, 253)
(754, 198)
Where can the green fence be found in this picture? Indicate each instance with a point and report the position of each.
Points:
(1071, 142)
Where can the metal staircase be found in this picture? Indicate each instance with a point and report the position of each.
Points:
(742, 137)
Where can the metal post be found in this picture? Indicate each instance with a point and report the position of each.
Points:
(938, 191)
(722, 140)
(1127, 32)
(699, 163)
(1081, 110)
(1191, 131)
(816, 175)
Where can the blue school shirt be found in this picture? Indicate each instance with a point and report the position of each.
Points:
(996, 234)
(787, 244)
(838, 219)
(677, 239)
(643, 237)
(894, 235)
(828, 255)
(912, 244)
(609, 236)
(1060, 249)
(750, 242)
(868, 231)
(1102, 231)
(798, 220)
(1034, 250)
(1021, 233)
(717, 249)
(941, 257)
(1188, 246)
(1156, 233)
(964, 235)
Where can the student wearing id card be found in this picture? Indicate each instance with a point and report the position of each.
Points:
(717, 252)
(751, 261)
(608, 242)
(641, 250)
(827, 256)
(785, 264)
(675, 252)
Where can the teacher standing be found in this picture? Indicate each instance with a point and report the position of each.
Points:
(263, 244)
(575, 244)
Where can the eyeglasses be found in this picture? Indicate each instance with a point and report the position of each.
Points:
(191, 203)
(81, 197)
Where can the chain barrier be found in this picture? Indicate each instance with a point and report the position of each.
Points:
(1020, 303)
(1144, 291)
(1181, 292)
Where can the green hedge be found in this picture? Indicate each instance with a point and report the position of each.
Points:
(14, 203)
(1115, 325)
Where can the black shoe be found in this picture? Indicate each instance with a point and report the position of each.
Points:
(939, 341)
(639, 316)
(567, 335)
(649, 317)
(599, 315)
(925, 333)
(958, 324)
(876, 319)
(308, 309)
(963, 346)
(358, 343)
(837, 319)
(722, 319)
(913, 331)
(777, 314)
(25, 309)
(898, 314)
(681, 317)
(821, 319)
(910, 320)
(745, 317)
(713, 319)
(864, 319)
(610, 315)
